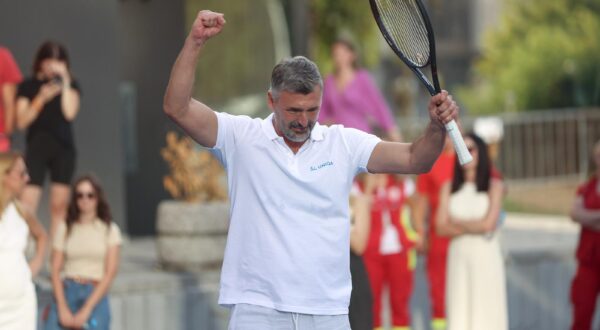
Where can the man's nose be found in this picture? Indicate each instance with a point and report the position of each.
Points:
(303, 119)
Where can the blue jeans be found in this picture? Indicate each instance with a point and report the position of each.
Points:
(76, 294)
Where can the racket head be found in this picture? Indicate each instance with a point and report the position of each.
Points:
(407, 29)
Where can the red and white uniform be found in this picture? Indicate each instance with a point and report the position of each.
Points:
(388, 257)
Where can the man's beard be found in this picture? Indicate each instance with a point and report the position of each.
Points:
(294, 136)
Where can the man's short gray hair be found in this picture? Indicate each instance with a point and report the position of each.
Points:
(295, 75)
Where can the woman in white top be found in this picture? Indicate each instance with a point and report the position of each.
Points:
(86, 250)
(18, 304)
(468, 211)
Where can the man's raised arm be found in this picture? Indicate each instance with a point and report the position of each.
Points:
(198, 120)
(417, 157)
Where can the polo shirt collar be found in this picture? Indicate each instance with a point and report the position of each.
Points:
(267, 125)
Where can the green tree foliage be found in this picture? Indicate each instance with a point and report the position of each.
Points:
(544, 54)
(333, 19)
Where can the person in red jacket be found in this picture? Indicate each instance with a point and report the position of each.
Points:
(586, 283)
(389, 255)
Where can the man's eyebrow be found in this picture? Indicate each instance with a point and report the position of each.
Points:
(300, 109)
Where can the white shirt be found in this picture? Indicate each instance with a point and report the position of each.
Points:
(13, 231)
(288, 241)
(390, 240)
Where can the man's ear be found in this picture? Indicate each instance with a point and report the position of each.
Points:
(270, 100)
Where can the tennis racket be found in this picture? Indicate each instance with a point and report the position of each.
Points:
(407, 29)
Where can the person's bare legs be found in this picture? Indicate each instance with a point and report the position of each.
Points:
(59, 201)
(30, 197)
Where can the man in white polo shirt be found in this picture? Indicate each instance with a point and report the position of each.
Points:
(287, 257)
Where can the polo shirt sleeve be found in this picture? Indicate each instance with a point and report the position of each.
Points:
(230, 129)
(360, 146)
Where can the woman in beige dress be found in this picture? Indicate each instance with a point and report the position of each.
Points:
(468, 211)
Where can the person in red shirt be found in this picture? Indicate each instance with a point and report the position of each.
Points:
(586, 283)
(10, 77)
(435, 246)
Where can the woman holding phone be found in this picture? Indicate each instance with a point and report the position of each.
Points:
(47, 103)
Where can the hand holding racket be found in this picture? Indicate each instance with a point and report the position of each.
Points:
(407, 29)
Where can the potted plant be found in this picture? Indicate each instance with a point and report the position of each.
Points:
(192, 227)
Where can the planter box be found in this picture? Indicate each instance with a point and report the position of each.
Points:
(192, 236)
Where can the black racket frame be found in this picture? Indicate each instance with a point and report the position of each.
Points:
(432, 88)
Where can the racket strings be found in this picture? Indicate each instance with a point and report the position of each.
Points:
(404, 24)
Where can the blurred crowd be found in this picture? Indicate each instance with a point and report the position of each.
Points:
(450, 216)
(84, 242)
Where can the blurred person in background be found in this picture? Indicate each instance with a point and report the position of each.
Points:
(86, 251)
(10, 77)
(469, 208)
(360, 310)
(434, 246)
(429, 242)
(389, 256)
(586, 283)
(351, 98)
(47, 103)
(18, 302)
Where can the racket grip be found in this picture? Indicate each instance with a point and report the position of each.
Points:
(464, 156)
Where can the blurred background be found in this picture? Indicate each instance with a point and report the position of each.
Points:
(526, 74)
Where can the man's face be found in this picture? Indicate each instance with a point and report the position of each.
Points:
(295, 114)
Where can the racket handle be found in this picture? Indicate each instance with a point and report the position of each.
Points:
(464, 156)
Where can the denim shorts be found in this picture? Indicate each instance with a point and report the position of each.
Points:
(76, 295)
(252, 317)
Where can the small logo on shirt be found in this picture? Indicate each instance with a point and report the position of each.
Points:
(320, 166)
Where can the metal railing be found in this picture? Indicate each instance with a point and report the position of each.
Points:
(550, 144)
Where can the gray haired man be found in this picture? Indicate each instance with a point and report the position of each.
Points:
(287, 257)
